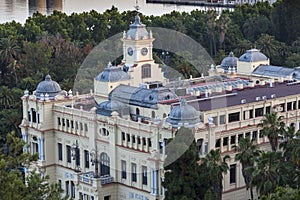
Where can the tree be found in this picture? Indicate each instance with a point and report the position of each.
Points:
(270, 172)
(247, 154)
(223, 25)
(182, 176)
(272, 126)
(12, 160)
(283, 193)
(215, 166)
(211, 24)
(9, 54)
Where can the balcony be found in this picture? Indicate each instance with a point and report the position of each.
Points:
(106, 179)
(90, 179)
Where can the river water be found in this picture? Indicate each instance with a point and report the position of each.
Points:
(20, 10)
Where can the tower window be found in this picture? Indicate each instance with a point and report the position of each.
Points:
(146, 71)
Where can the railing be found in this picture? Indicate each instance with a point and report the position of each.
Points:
(106, 179)
(87, 178)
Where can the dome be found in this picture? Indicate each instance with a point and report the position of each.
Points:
(253, 55)
(112, 74)
(184, 114)
(106, 108)
(137, 30)
(49, 87)
(230, 61)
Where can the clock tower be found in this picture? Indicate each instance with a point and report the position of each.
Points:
(137, 54)
(137, 43)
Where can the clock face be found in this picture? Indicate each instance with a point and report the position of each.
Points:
(144, 51)
(130, 51)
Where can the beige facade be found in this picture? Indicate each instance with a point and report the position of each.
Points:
(113, 150)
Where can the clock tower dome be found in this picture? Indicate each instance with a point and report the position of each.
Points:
(137, 54)
(137, 43)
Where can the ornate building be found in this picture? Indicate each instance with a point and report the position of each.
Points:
(110, 144)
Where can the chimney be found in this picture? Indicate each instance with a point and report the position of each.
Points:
(229, 88)
(206, 93)
(240, 86)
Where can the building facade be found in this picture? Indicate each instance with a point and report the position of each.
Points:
(110, 144)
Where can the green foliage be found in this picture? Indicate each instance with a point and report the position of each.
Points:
(16, 186)
(182, 176)
(283, 193)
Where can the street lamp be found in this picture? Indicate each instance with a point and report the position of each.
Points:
(95, 161)
(76, 156)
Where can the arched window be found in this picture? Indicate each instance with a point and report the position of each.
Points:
(153, 114)
(104, 164)
(146, 71)
(137, 111)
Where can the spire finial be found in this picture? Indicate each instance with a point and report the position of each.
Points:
(137, 7)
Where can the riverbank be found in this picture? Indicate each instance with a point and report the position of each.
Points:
(192, 3)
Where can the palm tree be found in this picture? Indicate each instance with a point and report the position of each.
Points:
(272, 125)
(6, 97)
(216, 166)
(223, 25)
(271, 171)
(9, 54)
(211, 26)
(247, 154)
(267, 44)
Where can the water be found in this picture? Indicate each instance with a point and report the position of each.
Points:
(20, 10)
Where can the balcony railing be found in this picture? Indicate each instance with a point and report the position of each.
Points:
(106, 179)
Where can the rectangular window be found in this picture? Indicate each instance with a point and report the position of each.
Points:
(72, 189)
(225, 141)
(218, 143)
(86, 159)
(234, 117)
(144, 141)
(72, 124)
(254, 134)
(29, 116)
(244, 115)
(139, 140)
(250, 114)
(260, 135)
(123, 165)
(85, 128)
(232, 139)
(133, 139)
(123, 136)
(259, 112)
(68, 153)
(144, 170)
(232, 178)
(60, 153)
(289, 106)
(133, 172)
(81, 126)
(76, 125)
(58, 121)
(128, 137)
(268, 109)
(68, 123)
(146, 71)
(215, 120)
(149, 142)
(222, 119)
(67, 188)
(63, 122)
